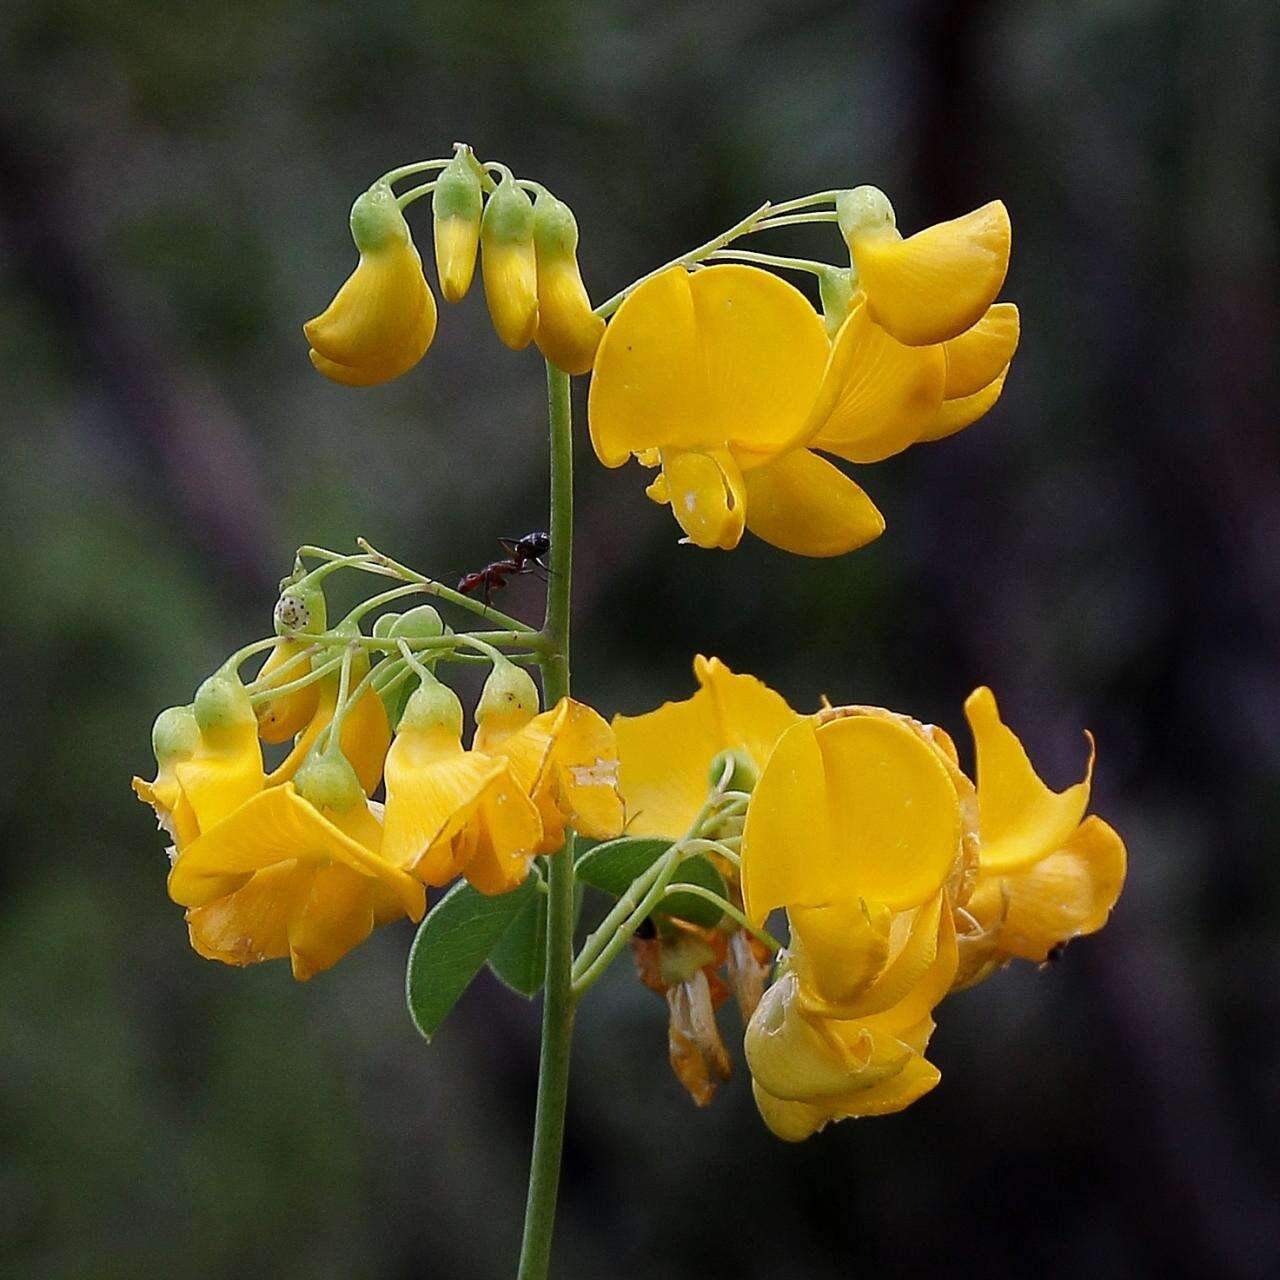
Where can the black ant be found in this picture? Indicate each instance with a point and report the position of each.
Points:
(523, 555)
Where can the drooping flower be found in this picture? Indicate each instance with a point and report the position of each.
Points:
(855, 828)
(293, 871)
(568, 330)
(382, 320)
(1046, 872)
(509, 264)
(453, 812)
(456, 207)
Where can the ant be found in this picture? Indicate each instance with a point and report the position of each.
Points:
(523, 555)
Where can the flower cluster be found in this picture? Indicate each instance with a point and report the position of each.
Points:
(382, 320)
(302, 860)
(901, 880)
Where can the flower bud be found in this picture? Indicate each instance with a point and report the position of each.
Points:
(301, 608)
(456, 206)
(509, 264)
(744, 774)
(382, 625)
(421, 623)
(222, 703)
(328, 781)
(433, 706)
(282, 716)
(174, 736)
(864, 211)
(382, 320)
(508, 701)
(835, 288)
(568, 330)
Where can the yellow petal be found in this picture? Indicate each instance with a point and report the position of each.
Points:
(765, 349)
(955, 415)
(252, 924)
(365, 737)
(397, 359)
(1067, 894)
(566, 760)
(173, 809)
(457, 240)
(285, 715)
(1020, 820)
(979, 355)
(664, 755)
(856, 808)
(707, 496)
(838, 951)
(649, 386)
(790, 1121)
(882, 394)
(433, 790)
(918, 976)
(803, 504)
(222, 776)
(277, 825)
(507, 834)
(935, 284)
(510, 274)
(569, 332)
(371, 316)
(337, 916)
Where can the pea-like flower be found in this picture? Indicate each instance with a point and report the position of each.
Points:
(382, 320)
(1046, 872)
(568, 330)
(855, 827)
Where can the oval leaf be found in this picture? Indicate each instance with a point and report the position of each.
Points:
(612, 866)
(453, 942)
(520, 958)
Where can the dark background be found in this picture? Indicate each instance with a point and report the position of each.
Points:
(174, 183)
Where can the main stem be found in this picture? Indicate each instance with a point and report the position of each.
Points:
(557, 999)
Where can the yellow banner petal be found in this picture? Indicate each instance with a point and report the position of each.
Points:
(977, 356)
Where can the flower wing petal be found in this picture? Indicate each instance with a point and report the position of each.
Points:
(977, 357)
(707, 495)
(955, 415)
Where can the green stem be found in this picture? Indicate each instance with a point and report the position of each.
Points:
(558, 997)
(708, 895)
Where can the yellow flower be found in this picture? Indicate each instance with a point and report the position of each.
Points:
(568, 330)
(453, 812)
(382, 320)
(664, 755)
(282, 876)
(456, 206)
(855, 827)
(285, 715)
(933, 285)
(719, 373)
(1046, 873)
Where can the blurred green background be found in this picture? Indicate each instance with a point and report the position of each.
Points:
(1102, 549)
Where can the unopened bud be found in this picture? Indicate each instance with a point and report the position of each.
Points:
(421, 623)
(432, 706)
(508, 701)
(568, 330)
(301, 608)
(376, 220)
(509, 264)
(456, 206)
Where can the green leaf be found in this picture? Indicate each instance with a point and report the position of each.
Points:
(520, 958)
(453, 943)
(612, 866)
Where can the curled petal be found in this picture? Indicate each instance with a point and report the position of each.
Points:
(1020, 820)
(935, 284)
(838, 951)
(569, 332)
(395, 360)
(503, 837)
(365, 736)
(707, 495)
(283, 716)
(979, 355)
(955, 415)
(878, 394)
(803, 504)
(222, 774)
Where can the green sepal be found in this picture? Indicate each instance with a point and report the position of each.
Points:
(508, 216)
(451, 946)
(376, 220)
(612, 866)
(457, 193)
(555, 229)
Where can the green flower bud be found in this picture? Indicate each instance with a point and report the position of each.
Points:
(175, 735)
(376, 220)
(433, 706)
(222, 702)
(864, 210)
(835, 287)
(301, 608)
(383, 624)
(456, 206)
(328, 781)
(744, 776)
(420, 623)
